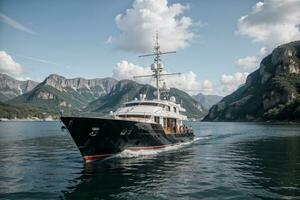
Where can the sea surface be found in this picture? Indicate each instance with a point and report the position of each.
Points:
(226, 161)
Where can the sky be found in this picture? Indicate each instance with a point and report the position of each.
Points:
(217, 43)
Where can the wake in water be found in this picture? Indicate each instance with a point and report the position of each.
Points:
(143, 153)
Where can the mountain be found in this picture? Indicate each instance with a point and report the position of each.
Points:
(57, 93)
(91, 89)
(207, 101)
(11, 88)
(126, 90)
(93, 97)
(270, 93)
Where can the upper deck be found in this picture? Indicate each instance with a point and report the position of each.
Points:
(148, 109)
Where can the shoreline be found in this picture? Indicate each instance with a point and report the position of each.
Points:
(28, 120)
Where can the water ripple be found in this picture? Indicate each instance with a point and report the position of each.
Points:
(228, 161)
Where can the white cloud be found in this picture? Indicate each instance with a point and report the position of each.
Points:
(272, 22)
(207, 87)
(263, 51)
(126, 70)
(187, 82)
(247, 63)
(16, 25)
(230, 83)
(237, 78)
(8, 65)
(139, 24)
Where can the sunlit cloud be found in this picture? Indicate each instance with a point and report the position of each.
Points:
(8, 65)
(139, 24)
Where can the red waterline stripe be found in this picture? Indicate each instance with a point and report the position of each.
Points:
(96, 157)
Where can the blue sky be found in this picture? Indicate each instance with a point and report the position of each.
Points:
(71, 38)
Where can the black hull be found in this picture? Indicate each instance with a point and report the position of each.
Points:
(99, 138)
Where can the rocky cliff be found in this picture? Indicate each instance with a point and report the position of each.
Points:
(270, 93)
(92, 88)
(57, 93)
(10, 87)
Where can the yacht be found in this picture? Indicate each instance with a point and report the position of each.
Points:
(140, 124)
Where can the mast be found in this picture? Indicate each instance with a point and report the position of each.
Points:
(157, 66)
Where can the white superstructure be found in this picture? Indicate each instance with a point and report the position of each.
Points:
(167, 113)
(147, 110)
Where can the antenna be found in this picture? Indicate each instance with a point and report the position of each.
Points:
(157, 66)
(157, 51)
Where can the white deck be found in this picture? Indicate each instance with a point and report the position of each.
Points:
(151, 111)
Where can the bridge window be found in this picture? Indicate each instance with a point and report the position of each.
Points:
(170, 124)
(156, 119)
(168, 108)
(134, 116)
(143, 104)
(165, 122)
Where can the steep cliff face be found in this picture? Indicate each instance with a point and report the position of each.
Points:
(57, 93)
(270, 93)
(91, 88)
(10, 87)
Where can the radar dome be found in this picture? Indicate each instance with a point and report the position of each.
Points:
(160, 66)
(173, 99)
(153, 66)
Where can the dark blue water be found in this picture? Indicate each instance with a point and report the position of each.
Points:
(229, 161)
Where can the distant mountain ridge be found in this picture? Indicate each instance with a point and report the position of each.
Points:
(271, 93)
(96, 87)
(92, 97)
(207, 101)
(57, 93)
(11, 88)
